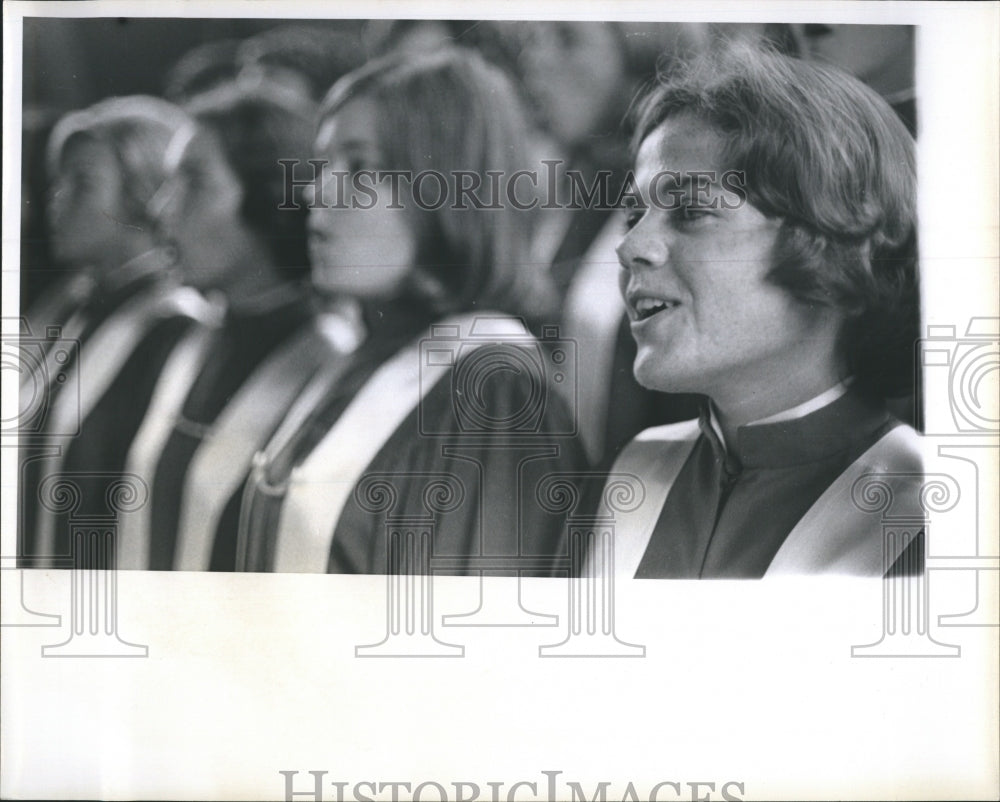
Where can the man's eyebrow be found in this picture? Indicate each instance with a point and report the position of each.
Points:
(687, 181)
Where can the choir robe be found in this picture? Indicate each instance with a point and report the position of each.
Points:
(229, 356)
(81, 303)
(57, 305)
(373, 451)
(751, 511)
(125, 327)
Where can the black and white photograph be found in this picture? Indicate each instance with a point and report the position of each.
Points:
(503, 402)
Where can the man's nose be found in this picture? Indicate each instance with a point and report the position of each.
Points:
(642, 247)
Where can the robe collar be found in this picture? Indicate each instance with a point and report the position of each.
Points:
(814, 430)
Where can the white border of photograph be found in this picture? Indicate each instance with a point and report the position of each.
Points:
(747, 690)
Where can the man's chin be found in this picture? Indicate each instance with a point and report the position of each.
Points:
(654, 374)
(650, 374)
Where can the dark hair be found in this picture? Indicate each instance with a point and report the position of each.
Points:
(256, 127)
(451, 111)
(201, 69)
(319, 55)
(827, 155)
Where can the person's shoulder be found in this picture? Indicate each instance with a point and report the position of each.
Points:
(658, 448)
(900, 450)
(499, 379)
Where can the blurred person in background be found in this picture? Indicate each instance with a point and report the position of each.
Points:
(242, 242)
(121, 301)
(302, 58)
(880, 55)
(202, 68)
(778, 36)
(791, 311)
(582, 77)
(883, 57)
(39, 271)
(491, 39)
(403, 268)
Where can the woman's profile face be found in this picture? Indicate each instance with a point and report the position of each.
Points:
(358, 245)
(86, 211)
(704, 317)
(576, 75)
(198, 210)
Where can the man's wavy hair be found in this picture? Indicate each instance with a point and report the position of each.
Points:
(827, 155)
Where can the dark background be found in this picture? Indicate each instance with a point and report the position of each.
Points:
(73, 63)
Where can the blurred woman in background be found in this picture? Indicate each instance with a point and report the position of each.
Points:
(482, 414)
(242, 243)
(581, 77)
(883, 56)
(121, 302)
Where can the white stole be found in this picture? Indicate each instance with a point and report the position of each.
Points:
(59, 307)
(221, 463)
(179, 372)
(101, 359)
(321, 486)
(655, 456)
(833, 537)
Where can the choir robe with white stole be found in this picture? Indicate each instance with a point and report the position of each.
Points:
(218, 400)
(407, 432)
(778, 502)
(128, 324)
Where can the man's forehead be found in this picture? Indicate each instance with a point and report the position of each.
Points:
(681, 142)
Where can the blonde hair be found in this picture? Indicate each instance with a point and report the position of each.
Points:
(138, 129)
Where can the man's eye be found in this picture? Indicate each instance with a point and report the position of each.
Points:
(689, 213)
(632, 218)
